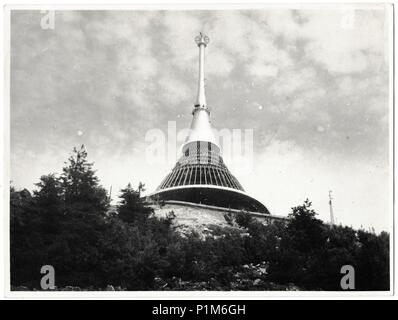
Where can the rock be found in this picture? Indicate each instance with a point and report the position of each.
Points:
(257, 282)
(263, 270)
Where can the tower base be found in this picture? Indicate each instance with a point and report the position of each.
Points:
(212, 196)
(200, 217)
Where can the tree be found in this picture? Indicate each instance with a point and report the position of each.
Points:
(373, 261)
(306, 232)
(301, 248)
(339, 250)
(49, 204)
(131, 208)
(81, 185)
(76, 251)
(25, 239)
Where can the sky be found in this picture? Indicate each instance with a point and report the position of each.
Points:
(312, 83)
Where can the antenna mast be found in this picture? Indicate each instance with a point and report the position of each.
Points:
(331, 209)
(202, 41)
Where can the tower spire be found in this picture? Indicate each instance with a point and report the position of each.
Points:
(202, 41)
(200, 174)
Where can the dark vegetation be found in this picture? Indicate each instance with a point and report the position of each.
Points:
(65, 223)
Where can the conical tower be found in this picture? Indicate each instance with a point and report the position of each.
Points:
(200, 175)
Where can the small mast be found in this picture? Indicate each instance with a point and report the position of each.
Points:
(331, 209)
(202, 41)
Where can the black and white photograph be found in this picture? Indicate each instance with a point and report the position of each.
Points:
(213, 148)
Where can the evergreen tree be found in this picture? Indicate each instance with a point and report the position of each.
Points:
(373, 261)
(49, 205)
(25, 239)
(85, 206)
(81, 186)
(132, 208)
(305, 230)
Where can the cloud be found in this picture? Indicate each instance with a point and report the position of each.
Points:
(174, 91)
(343, 40)
(294, 80)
